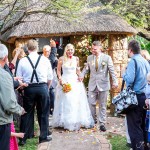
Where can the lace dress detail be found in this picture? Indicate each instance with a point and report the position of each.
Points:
(71, 110)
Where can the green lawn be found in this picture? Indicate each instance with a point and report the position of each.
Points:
(30, 145)
(118, 142)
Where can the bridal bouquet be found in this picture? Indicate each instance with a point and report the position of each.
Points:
(66, 87)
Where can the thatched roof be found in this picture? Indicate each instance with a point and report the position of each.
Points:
(42, 25)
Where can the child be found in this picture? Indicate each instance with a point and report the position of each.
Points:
(13, 140)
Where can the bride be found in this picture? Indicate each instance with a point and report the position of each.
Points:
(71, 109)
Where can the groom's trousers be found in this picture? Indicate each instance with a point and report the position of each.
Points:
(101, 98)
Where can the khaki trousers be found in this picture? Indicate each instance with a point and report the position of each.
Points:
(101, 98)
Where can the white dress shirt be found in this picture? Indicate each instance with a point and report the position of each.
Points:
(43, 70)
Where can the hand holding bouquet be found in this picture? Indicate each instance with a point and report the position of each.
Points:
(66, 87)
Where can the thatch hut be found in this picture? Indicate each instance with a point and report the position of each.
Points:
(102, 25)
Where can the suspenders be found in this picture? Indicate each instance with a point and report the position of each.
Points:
(34, 69)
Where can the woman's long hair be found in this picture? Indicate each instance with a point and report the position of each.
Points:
(66, 48)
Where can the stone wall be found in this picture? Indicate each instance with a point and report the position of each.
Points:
(118, 51)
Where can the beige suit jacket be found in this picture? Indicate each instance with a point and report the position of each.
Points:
(100, 78)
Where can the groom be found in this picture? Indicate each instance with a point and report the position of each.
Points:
(99, 65)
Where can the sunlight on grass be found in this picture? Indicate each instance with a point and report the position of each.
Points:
(30, 145)
(118, 142)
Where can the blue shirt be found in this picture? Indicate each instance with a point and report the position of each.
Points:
(143, 68)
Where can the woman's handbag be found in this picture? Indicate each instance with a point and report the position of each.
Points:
(126, 100)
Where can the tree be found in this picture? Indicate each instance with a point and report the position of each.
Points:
(14, 12)
(135, 12)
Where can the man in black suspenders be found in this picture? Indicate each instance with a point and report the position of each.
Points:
(36, 71)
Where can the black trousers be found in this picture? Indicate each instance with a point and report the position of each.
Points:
(35, 95)
(52, 98)
(136, 124)
(5, 133)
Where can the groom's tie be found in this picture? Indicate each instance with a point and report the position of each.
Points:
(96, 63)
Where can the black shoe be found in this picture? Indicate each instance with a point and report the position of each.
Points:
(45, 140)
(22, 143)
(129, 145)
(49, 133)
(102, 128)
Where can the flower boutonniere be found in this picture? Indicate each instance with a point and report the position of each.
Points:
(103, 64)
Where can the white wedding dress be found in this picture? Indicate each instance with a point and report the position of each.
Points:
(71, 110)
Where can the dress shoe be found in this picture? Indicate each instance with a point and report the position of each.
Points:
(45, 140)
(102, 128)
(49, 134)
(22, 143)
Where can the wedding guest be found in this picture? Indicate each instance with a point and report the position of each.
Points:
(8, 102)
(46, 53)
(17, 54)
(13, 139)
(147, 90)
(146, 55)
(53, 53)
(37, 73)
(136, 117)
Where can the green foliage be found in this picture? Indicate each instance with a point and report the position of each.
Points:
(12, 12)
(83, 51)
(118, 142)
(145, 44)
(136, 12)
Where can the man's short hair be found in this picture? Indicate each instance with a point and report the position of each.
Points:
(96, 43)
(3, 51)
(134, 46)
(47, 47)
(32, 45)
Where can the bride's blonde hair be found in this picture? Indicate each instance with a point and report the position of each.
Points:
(66, 48)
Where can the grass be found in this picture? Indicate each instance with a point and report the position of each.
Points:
(31, 144)
(118, 142)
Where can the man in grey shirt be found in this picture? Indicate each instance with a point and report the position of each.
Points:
(8, 102)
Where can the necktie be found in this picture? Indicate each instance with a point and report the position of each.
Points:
(96, 63)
